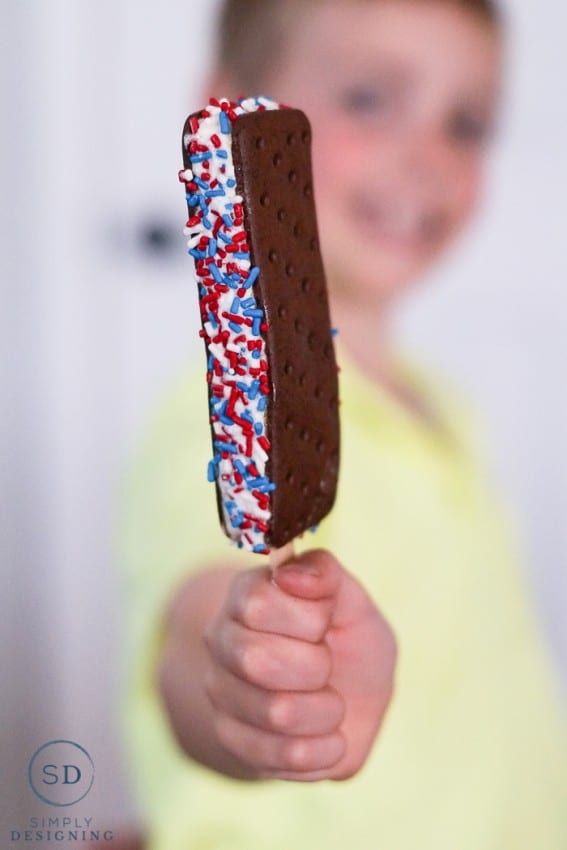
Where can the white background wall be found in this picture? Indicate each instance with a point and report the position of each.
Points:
(95, 325)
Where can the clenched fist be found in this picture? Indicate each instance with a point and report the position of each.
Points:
(300, 670)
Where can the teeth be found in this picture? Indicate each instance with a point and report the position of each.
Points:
(400, 221)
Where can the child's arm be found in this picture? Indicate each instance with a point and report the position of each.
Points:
(287, 678)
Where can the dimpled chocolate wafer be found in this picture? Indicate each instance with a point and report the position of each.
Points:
(271, 367)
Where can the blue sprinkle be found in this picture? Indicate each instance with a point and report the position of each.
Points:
(239, 466)
(200, 157)
(225, 447)
(227, 220)
(212, 247)
(254, 313)
(224, 123)
(235, 306)
(252, 277)
(212, 320)
(226, 420)
(240, 544)
(248, 302)
(232, 283)
(202, 203)
(256, 327)
(192, 199)
(211, 361)
(211, 472)
(254, 389)
(235, 327)
(248, 416)
(262, 402)
(222, 154)
(241, 255)
(259, 548)
(231, 182)
(208, 223)
(242, 386)
(313, 529)
(237, 521)
(225, 238)
(264, 485)
(215, 193)
(256, 354)
(199, 255)
(258, 427)
(334, 332)
(215, 272)
(200, 183)
(229, 505)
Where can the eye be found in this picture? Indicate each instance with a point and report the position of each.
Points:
(363, 100)
(468, 129)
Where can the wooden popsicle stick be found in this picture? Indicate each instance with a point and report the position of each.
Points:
(280, 556)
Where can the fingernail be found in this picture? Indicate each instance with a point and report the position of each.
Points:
(301, 567)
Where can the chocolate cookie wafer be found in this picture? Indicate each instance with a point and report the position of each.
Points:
(271, 371)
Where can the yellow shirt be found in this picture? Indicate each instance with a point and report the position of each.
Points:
(473, 752)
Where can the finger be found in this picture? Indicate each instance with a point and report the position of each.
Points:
(287, 712)
(268, 751)
(259, 604)
(270, 661)
(312, 575)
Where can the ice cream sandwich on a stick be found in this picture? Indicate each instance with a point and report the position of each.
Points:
(271, 370)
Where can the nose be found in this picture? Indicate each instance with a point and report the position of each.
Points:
(430, 159)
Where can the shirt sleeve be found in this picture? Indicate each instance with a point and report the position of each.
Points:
(168, 528)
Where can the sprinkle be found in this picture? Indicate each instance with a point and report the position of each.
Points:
(224, 123)
(225, 447)
(252, 277)
(215, 272)
(253, 391)
(211, 472)
(200, 157)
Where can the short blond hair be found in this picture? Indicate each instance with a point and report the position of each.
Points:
(251, 32)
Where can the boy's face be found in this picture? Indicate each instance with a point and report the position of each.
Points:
(401, 97)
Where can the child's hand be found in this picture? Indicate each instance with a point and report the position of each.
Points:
(302, 670)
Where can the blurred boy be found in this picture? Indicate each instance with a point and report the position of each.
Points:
(240, 681)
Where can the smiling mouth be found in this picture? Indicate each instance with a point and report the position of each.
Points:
(402, 225)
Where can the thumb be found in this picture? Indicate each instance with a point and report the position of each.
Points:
(312, 575)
